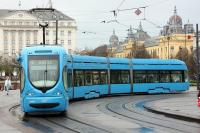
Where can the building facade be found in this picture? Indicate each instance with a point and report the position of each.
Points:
(128, 47)
(20, 28)
(173, 38)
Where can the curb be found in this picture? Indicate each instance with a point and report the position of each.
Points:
(173, 114)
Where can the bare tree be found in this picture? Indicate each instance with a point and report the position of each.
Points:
(141, 52)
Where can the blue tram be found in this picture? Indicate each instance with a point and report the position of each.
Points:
(95, 76)
(50, 77)
(43, 72)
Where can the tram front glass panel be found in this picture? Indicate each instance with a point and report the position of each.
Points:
(43, 71)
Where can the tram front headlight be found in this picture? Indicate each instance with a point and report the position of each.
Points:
(59, 93)
(30, 94)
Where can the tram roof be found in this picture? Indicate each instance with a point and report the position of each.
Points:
(158, 61)
(95, 59)
(91, 59)
(42, 49)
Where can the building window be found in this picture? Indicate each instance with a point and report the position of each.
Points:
(28, 33)
(12, 22)
(54, 33)
(27, 42)
(20, 23)
(5, 35)
(62, 42)
(47, 33)
(69, 23)
(69, 34)
(54, 23)
(69, 42)
(13, 42)
(13, 51)
(35, 41)
(61, 33)
(27, 23)
(47, 41)
(61, 23)
(5, 22)
(20, 15)
(35, 24)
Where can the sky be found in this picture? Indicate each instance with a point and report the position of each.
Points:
(90, 13)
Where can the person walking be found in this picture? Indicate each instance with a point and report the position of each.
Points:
(7, 85)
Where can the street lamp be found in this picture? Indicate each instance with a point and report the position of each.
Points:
(43, 25)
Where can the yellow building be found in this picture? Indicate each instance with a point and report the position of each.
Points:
(172, 39)
(128, 47)
(167, 47)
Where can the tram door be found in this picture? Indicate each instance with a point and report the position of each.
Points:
(70, 83)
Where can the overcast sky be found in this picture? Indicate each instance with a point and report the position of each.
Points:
(89, 14)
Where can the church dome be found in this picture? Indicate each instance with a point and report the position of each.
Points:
(175, 19)
(114, 39)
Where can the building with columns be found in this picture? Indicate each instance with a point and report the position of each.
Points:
(20, 28)
(173, 38)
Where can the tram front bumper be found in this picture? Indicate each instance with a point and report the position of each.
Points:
(44, 104)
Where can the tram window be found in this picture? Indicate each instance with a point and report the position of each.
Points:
(176, 76)
(79, 78)
(65, 77)
(139, 77)
(152, 76)
(96, 78)
(186, 76)
(69, 78)
(125, 77)
(164, 76)
(88, 77)
(103, 79)
(120, 77)
(115, 77)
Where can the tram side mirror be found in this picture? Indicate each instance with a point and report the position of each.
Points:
(19, 58)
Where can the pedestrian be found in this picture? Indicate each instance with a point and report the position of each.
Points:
(7, 85)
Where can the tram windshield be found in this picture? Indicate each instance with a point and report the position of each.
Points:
(43, 71)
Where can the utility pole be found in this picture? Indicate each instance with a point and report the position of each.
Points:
(197, 52)
(168, 38)
(43, 29)
(56, 32)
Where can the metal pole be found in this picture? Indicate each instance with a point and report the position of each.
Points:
(168, 38)
(56, 32)
(185, 37)
(197, 52)
(43, 29)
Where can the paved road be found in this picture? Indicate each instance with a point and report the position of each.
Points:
(110, 114)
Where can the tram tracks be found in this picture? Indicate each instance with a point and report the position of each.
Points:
(59, 123)
(129, 108)
(123, 110)
(76, 125)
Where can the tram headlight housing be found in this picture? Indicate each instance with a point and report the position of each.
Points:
(58, 93)
(30, 94)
